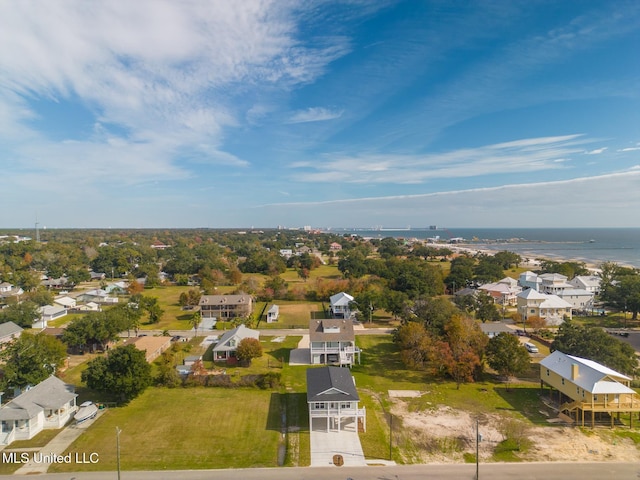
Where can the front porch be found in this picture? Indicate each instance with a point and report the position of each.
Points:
(338, 419)
(604, 413)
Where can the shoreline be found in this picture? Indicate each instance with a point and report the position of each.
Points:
(528, 258)
(592, 246)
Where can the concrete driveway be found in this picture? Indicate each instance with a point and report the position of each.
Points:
(301, 355)
(324, 445)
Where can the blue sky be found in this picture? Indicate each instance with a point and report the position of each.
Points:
(330, 114)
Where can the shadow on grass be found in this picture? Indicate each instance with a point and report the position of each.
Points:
(280, 354)
(288, 411)
(525, 400)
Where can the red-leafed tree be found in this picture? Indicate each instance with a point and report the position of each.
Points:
(465, 345)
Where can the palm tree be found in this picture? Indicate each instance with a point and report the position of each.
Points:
(195, 321)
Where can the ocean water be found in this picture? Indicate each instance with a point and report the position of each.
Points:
(590, 245)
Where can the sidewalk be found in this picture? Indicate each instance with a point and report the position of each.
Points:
(56, 446)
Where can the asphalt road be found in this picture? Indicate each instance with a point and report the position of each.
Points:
(268, 332)
(493, 471)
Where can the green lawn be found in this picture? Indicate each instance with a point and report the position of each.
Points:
(198, 428)
(184, 428)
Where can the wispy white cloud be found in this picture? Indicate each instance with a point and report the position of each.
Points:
(597, 151)
(525, 205)
(315, 114)
(629, 149)
(166, 73)
(520, 156)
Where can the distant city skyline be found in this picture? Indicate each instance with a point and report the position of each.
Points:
(162, 114)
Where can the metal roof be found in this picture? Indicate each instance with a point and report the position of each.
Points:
(592, 376)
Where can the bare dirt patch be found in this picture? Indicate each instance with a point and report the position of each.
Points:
(404, 393)
(445, 435)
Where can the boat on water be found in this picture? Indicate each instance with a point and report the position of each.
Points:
(86, 411)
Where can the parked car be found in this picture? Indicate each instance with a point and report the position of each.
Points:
(531, 348)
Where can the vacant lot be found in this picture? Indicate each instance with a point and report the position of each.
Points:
(186, 429)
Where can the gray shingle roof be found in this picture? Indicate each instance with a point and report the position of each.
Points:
(240, 333)
(330, 384)
(51, 393)
(331, 330)
(9, 328)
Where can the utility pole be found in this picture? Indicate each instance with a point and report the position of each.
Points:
(118, 450)
(390, 435)
(477, 450)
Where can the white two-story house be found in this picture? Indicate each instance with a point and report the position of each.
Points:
(340, 305)
(333, 341)
(333, 400)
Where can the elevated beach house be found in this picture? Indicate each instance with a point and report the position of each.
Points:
(332, 341)
(333, 400)
(587, 388)
(340, 305)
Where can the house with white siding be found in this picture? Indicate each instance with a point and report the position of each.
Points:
(590, 283)
(333, 400)
(332, 341)
(340, 305)
(48, 405)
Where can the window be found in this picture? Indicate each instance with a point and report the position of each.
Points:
(563, 381)
(547, 372)
(595, 398)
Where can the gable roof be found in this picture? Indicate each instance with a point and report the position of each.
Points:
(330, 384)
(239, 333)
(330, 329)
(341, 299)
(529, 276)
(592, 376)
(9, 328)
(554, 277)
(576, 292)
(554, 301)
(532, 294)
(502, 288)
(274, 309)
(586, 280)
(65, 301)
(512, 282)
(51, 393)
(52, 309)
(225, 300)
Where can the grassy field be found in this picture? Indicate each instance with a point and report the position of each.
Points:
(197, 427)
(186, 429)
